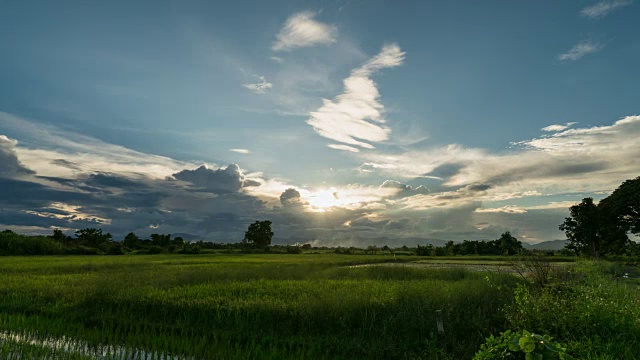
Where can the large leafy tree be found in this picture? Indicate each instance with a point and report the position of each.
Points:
(582, 228)
(622, 207)
(509, 245)
(259, 233)
(593, 229)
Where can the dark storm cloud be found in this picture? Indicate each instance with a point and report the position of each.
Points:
(9, 164)
(32, 194)
(217, 181)
(290, 195)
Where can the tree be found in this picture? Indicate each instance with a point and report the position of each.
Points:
(58, 235)
(131, 241)
(582, 228)
(508, 244)
(161, 240)
(92, 237)
(259, 233)
(622, 207)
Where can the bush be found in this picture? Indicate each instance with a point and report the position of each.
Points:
(520, 345)
(14, 244)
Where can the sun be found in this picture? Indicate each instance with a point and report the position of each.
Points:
(324, 199)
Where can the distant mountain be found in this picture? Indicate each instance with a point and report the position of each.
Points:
(547, 245)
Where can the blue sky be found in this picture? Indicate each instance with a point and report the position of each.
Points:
(398, 119)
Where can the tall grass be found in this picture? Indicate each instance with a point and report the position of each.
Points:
(251, 306)
(593, 307)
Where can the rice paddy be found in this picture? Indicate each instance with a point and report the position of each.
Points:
(241, 306)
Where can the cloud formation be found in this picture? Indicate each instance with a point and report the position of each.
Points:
(302, 30)
(260, 87)
(343, 147)
(230, 179)
(581, 49)
(558, 127)
(474, 193)
(10, 166)
(355, 117)
(603, 8)
(240, 151)
(588, 159)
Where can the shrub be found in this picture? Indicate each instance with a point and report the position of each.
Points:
(521, 345)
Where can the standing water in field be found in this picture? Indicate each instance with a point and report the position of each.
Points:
(15, 346)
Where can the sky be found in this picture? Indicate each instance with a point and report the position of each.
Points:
(343, 122)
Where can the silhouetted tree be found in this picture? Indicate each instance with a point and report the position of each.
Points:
(92, 237)
(58, 235)
(161, 240)
(582, 228)
(509, 245)
(131, 241)
(259, 233)
(622, 207)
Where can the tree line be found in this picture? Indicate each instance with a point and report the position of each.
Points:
(505, 245)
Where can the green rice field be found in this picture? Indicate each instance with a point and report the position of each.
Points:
(281, 306)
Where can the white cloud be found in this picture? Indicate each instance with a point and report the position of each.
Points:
(240, 151)
(575, 160)
(277, 59)
(42, 148)
(581, 49)
(260, 87)
(558, 127)
(357, 113)
(302, 30)
(508, 209)
(343, 147)
(603, 8)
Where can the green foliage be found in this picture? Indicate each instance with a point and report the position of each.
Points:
(622, 207)
(251, 306)
(14, 244)
(92, 237)
(132, 241)
(591, 306)
(521, 345)
(259, 234)
(424, 250)
(602, 229)
(294, 249)
(505, 245)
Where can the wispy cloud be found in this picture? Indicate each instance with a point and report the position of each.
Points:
(240, 151)
(343, 147)
(302, 30)
(603, 8)
(509, 209)
(44, 146)
(357, 112)
(277, 59)
(581, 49)
(574, 160)
(557, 127)
(260, 87)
